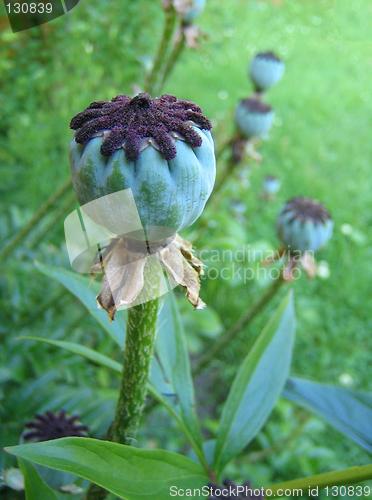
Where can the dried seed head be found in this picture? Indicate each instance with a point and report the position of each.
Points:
(53, 426)
(126, 123)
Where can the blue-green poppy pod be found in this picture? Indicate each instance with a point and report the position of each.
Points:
(160, 148)
(271, 185)
(189, 9)
(254, 118)
(304, 225)
(265, 70)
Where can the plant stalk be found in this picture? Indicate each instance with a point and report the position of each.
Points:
(177, 50)
(226, 338)
(139, 347)
(352, 475)
(36, 218)
(169, 24)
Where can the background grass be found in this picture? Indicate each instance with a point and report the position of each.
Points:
(320, 146)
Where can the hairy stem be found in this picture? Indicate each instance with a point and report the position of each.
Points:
(36, 218)
(139, 347)
(226, 338)
(169, 24)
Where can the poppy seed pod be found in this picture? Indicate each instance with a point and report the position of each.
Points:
(54, 426)
(253, 118)
(271, 185)
(160, 148)
(304, 225)
(265, 70)
(189, 9)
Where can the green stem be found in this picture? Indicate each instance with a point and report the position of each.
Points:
(139, 347)
(173, 57)
(226, 338)
(39, 214)
(169, 24)
(336, 478)
(223, 147)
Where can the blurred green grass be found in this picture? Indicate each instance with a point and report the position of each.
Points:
(320, 147)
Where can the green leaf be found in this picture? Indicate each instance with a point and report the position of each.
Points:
(86, 352)
(128, 472)
(257, 386)
(350, 412)
(86, 291)
(170, 378)
(158, 387)
(173, 359)
(35, 487)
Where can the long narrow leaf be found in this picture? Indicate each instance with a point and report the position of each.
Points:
(35, 487)
(86, 291)
(86, 352)
(159, 389)
(170, 378)
(349, 412)
(128, 472)
(174, 361)
(257, 386)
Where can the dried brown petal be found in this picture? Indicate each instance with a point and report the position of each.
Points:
(128, 271)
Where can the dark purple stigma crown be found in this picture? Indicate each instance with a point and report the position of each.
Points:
(269, 55)
(126, 122)
(53, 426)
(307, 209)
(256, 105)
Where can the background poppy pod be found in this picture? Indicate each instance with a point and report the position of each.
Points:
(265, 70)
(304, 225)
(253, 118)
(190, 9)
